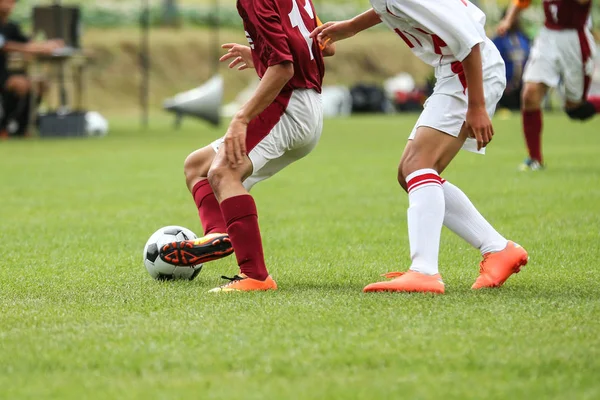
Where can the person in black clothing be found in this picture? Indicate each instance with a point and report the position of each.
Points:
(15, 86)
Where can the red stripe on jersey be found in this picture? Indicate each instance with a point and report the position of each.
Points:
(263, 124)
(424, 179)
(403, 36)
(586, 53)
(423, 31)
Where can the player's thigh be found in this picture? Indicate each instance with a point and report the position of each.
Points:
(533, 95)
(577, 64)
(542, 65)
(273, 165)
(292, 137)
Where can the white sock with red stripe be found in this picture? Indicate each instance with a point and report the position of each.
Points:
(425, 218)
(463, 219)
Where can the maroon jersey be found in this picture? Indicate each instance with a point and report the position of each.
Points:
(566, 14)
(278, 31)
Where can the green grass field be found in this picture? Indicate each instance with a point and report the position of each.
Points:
(81, 318)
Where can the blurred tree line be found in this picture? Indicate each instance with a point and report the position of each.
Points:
(176, 13)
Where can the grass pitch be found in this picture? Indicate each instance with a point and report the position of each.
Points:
(81, 318)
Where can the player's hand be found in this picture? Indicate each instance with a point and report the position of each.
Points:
(48, 47)
(235, 141)
(503, 27)
(479, 126)
(242, 56)
(333, 31)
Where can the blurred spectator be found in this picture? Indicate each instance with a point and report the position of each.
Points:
(514, 46)
(15, 86)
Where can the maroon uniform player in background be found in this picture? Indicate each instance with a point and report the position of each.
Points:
(563, 51)
(280, 124)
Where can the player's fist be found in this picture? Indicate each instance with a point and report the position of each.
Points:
(242, 56)
(479, 126)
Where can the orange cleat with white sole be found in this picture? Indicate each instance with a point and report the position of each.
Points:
(242, 283)
(409, 281)
(497, 267)
(193, 252)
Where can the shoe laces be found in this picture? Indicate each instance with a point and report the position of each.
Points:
(392, 275)
(232, 280)
(486, 257)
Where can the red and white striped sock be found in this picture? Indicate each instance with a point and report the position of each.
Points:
(463, 219)
(425, 218)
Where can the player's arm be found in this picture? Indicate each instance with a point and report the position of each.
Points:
(271, 84)
(478, 121)
(331, 32)
(32, 47)
(513, 12)
(450, 21)
(277, 55)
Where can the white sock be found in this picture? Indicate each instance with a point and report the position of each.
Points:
(425, 219)
(463, 219)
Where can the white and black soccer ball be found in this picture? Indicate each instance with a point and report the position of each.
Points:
(157, 268)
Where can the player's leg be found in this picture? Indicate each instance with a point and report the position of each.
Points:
(17, 94)
(424, 157)
(215, 243)
(196, 168)
(241, 218)
(578, 63)
(533, 96)
(541, 72)
(280, 138)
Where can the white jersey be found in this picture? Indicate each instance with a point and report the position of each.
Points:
(439, 32)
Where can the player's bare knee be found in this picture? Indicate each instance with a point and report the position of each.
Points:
(218, 176)
(532, 97)
(197, 164)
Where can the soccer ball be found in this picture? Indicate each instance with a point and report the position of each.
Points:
(157, 268)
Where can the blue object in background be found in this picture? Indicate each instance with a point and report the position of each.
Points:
(514, 48)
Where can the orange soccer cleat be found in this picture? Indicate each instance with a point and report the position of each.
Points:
(193, 252)
(409, 281)
(242, 283)
(497, 267)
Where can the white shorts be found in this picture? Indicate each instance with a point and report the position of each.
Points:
(446, 109)
(284, 132)
(565, 55)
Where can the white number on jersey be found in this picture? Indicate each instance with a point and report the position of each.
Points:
(554, 12)
(297, 22)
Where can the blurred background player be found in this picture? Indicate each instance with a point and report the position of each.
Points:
(280, 124)
(563, 50)
(15, 86)
(450, 36)
(514, 47)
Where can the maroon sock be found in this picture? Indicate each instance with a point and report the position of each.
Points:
(242, 227)
(595, 100)
(532, 127)
(208, 208)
